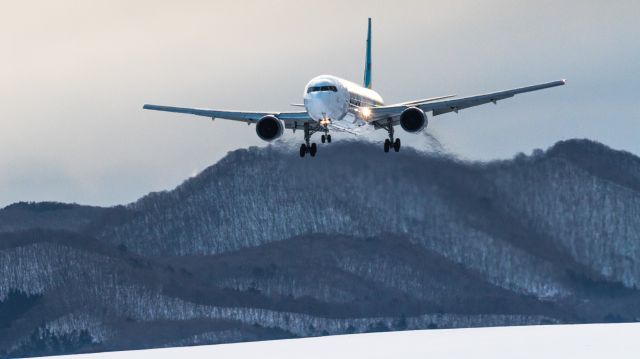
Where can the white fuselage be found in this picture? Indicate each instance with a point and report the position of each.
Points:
(332, 100)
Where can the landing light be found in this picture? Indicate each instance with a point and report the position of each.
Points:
(325, 122)
(365, 112)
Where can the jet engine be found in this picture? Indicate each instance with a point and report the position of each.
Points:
(269, 128)
(413, 119)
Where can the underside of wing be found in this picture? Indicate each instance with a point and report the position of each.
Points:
(244, 116)
(440, 107)
(339, 128)
(423, 101)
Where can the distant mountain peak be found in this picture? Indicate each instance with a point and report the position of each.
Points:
(620, 167)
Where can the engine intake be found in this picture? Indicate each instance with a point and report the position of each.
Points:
(269, 128)
(413, 119)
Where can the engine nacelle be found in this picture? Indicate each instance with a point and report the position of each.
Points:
(413, 119)
(269, 128)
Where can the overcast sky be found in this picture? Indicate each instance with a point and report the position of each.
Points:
(74, 76)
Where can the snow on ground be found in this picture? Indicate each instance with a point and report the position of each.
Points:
(557, 341)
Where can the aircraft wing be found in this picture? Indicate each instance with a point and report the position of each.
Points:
(384, 115)
(339, 128)
(292, 120)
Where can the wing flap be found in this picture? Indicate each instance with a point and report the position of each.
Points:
(455, 105)
(438, 106)
(243, 116)
(419, 102)
(339, 128)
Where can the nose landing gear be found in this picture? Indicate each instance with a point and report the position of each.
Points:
(325, 138)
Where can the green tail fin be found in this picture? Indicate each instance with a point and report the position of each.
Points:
(367, 65)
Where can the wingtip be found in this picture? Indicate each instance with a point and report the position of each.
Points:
(564, 81)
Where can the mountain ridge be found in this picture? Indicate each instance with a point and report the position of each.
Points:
(265, 245)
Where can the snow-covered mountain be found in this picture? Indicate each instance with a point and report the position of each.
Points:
(267, 245)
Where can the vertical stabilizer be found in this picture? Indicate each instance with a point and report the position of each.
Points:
(367, 65)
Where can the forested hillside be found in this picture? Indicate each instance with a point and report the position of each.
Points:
(266, 245)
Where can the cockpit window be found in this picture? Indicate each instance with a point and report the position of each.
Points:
(322, 88)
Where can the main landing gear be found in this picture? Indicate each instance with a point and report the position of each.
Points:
(307, 147)
(304, 149)
(390, 143)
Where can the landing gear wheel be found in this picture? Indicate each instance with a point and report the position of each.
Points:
(396, 145)
(329, 138)
(313, 149)
(324, 138)
(387, 145)
(303, 150)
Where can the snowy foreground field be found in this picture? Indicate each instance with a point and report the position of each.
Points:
(559, 341)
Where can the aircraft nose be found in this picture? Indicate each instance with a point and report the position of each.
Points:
(326, 101)
(321, 103)
(324, 98)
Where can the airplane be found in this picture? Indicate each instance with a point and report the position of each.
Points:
(338, 105)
